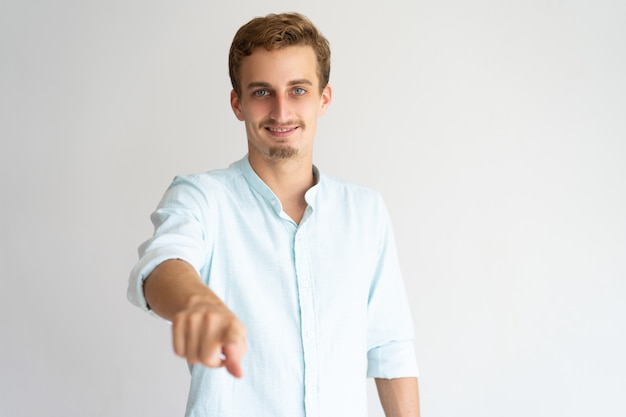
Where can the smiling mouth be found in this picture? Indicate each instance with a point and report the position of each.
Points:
(281, 133)
(281, 130)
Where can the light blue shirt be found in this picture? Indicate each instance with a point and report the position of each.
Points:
(323, 301)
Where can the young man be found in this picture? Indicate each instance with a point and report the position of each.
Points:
(282, 284)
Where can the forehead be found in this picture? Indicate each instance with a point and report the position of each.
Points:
(279, 65)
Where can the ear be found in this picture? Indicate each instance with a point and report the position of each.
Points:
(325, 99)
(235, 104)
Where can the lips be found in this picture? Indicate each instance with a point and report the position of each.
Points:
(281, 130)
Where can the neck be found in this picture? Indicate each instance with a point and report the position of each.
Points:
(289, 179)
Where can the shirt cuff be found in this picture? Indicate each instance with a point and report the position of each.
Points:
(143, 268)
(395, 360)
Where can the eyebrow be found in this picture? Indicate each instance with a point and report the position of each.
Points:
(263, 84)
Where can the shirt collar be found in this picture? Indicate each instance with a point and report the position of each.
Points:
(266, 192)
(311, 194)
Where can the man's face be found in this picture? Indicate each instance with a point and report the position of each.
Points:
(280, 102)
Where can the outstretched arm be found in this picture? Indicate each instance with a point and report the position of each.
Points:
(204, 330)
(399, 396)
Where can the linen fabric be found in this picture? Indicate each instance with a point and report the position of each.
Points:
(323, 301)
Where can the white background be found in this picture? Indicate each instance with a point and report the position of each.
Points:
(494, 129)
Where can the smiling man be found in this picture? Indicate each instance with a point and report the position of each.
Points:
(282, 284)
(280, 112)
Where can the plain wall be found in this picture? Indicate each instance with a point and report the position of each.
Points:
(494, 129)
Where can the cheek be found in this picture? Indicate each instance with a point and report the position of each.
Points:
(307, 109)
(256, 110)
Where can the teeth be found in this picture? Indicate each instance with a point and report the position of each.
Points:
(279, 130)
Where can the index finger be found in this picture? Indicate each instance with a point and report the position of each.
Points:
(233, 353)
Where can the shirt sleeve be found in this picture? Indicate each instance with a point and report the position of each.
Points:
(179, 233)
(391, 351)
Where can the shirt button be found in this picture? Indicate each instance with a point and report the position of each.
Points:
(310, 334)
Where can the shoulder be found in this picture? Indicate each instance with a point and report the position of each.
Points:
(348, 190)
(203, 188)
(351, 200)
(356, 209)
(208, 181)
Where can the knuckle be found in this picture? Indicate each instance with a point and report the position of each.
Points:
(208, 319)
(238, 328)
(178, 319)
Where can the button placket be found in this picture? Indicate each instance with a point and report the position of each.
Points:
(307, 323)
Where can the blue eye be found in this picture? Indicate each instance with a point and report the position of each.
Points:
(299, 91)
(261, 93)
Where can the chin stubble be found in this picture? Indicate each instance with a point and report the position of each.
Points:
(282, 152)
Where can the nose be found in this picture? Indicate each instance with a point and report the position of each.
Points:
(280, 109)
